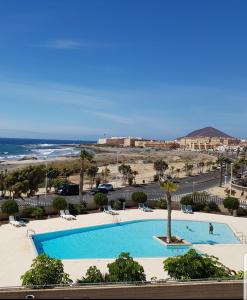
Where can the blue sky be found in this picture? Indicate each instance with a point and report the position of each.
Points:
(78, 69)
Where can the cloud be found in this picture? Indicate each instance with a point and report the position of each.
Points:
(70, 44)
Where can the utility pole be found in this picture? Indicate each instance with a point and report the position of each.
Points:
(231, 178)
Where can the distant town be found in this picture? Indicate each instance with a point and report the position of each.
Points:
(208, 138)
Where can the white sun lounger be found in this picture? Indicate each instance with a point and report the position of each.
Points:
(15, 223)
(184, 209)
(64, 216)
(189, 209)
(67, 213)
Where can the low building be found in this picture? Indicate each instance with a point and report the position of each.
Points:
(206, 143)
(119, 141)
(157, 144)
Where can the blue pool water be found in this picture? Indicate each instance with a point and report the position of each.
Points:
(135, 237)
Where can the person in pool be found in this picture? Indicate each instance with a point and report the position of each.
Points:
(211, 228)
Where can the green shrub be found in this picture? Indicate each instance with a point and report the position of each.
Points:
(38, 213)
(207, 209)
(241, 212)
(187, 200)
(195, 266)
(161, 204)
(231, 203)
(156, 178)
(101, 200)
(27, 212)
(125, 269)
(93, 275)
(139, 197)
(117, 205)
(45, 271)
(57, 182)
(239, 275)
(194, 201)
(81, 207)
(10, 207)
(59, 203)
(213, 206)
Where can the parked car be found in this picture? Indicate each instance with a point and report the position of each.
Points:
(68, 190)
(98, 190)
(107, 186)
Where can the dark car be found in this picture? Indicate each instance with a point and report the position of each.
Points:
(68, 190)
(98, 190)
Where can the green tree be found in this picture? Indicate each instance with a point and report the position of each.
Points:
(59, 203)
(231, 203)
(139, 197)
(222, 161)
(127, 173)
(101, 200)
(44, 272)
(160, 166)
(93, 275)
(91, 173)
(105, 174)
(195, 266)
(10, 207)
(86, 158)
(125, 269)
(169, 187)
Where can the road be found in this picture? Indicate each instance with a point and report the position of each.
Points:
(186, 185)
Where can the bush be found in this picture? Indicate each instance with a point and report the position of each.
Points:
(93, 275)
(187, 200)
(195, 266)
(161, 204)
(59, 203)
(231, 203)
(139, 197)
(125, 269)
(156, 178)
(101, 200)
(27, 212)
(38, 213)
(57, 182)
(117, 205)
(194, 201)
(241, 212)
(77, 209)
(213, 206)
(10, 207)
(45, 271)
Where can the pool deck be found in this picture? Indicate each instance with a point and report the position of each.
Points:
(17, 251)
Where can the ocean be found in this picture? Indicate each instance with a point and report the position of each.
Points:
(17, 149)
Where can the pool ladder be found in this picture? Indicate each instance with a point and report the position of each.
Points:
(30, 233)
(115, 219)
(242, 238)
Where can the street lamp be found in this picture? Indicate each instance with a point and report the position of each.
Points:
(46, 177)
(231, 178)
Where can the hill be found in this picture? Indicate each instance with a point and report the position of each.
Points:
(208, 132)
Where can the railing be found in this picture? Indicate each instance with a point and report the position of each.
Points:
(30, 233)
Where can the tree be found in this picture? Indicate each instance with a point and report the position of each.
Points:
(127, 173)
(85, 159)
(91, 173)
(59, 203)
(44, 272)
(125, 269)
(105, 174)
(10, 207)
(231, 203)
(139, 197)
(101, 200)
(222, 161)
(160, 166)
(195, 266)
(169, 187)
(188, 168)
(93, 275)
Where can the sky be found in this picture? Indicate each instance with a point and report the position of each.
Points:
(77, 69)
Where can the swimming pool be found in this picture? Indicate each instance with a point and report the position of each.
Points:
(135, 237)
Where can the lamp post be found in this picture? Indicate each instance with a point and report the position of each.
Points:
(231, 178)
(46, 177)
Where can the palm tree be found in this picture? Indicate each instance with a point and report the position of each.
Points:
(85, 158)
(169, 187)
(91, 173)
(222, 161)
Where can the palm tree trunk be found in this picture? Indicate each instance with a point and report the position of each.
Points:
(81, 181)
(221, 175)
(169, 212)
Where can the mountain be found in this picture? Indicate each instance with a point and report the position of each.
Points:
(208, 132)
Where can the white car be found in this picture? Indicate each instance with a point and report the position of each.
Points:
(107, 186)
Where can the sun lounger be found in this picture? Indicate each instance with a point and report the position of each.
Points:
(64, 216)
(140, 206)
(108, 210)
(16, 223)
(67, 213)
(146, 208)
(184, 208)
(189, 209)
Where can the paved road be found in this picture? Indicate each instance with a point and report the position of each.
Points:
(186, 185)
